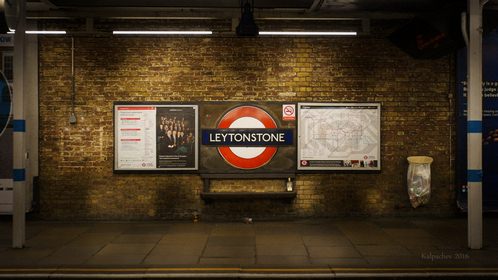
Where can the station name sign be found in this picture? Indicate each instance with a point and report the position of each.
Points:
(247, 137)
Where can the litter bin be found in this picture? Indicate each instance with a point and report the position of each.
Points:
(419, 180)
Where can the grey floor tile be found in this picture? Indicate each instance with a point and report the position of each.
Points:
(383, 250)
(283, 260)
(229, 251)
(18, 262)
(67, 230)
(93, 239)
(453, 243)
(353, 223)
(408, 233)
(228, 261)
(109, 228)
(137, 238)
(58, 260)
(333, 252)
(178, 250)
(327, 240)
(52, 241)
(239, 229)
(279, 250)
(186, 238)
(396, 261)
(421, 248)
(340, 262)
(491, 240)
(420, 261)
(418, 242)
(365, 238)
(319, 230)
(393, 223)
(275, 229)
(190, 228)
(161, 259)
(23, 257)
(363, 232)
(484, 257)
(439, 222)
(384, 243)
(147, 228)
(126, 249)
(443, 254)
(239, 240)
(287, 239)
(77, 251)
(120, 259)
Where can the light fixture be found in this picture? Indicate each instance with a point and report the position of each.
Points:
(60, 32)
(247, 26)
(309, 33)
(41, 32)
(152, 32)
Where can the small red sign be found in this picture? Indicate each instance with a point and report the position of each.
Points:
(289, 112)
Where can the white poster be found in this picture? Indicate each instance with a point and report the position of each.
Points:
(155, 137)
(339, 136)
(135, 137)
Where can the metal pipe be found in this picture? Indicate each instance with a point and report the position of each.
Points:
(474, 125)
(72, 75)
(72, 116)
(19, 149)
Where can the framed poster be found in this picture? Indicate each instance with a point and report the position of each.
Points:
(338, 136)
(245, 138)
(154, 137)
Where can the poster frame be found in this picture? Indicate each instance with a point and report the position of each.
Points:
(317, 170)
(179, 170)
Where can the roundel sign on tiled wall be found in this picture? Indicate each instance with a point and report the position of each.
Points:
(247, 137)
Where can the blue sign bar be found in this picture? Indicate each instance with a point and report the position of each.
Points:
(19, 125)
(247, 137)
(19, 175)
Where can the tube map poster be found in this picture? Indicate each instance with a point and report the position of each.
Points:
(339, 136)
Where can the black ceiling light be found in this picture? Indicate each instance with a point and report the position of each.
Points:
(247, 26)
(4, 28)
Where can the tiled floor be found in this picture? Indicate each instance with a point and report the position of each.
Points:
(343, 242)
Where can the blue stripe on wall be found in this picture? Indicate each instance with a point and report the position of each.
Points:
(474, 175)
(19, 175)
(474, 126)
(19, 125)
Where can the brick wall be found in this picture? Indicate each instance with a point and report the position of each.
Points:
(76, 161)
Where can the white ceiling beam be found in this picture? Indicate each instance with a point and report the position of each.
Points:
(196, 14)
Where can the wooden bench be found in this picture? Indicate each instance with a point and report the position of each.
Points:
(207, 195)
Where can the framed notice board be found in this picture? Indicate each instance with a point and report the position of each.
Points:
(338, 136)
(155, 137)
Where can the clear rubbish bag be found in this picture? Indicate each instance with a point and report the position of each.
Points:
(419, 180)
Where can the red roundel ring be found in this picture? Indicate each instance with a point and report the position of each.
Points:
(247, 163)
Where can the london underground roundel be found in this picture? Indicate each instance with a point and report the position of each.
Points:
(247, 117)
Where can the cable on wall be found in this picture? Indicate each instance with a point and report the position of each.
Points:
(72, 116)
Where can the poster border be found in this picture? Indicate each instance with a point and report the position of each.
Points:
(300, 169)
(194, 169)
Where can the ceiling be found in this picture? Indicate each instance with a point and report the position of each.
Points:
(371, 9)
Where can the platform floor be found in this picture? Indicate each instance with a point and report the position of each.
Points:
(304, 246)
